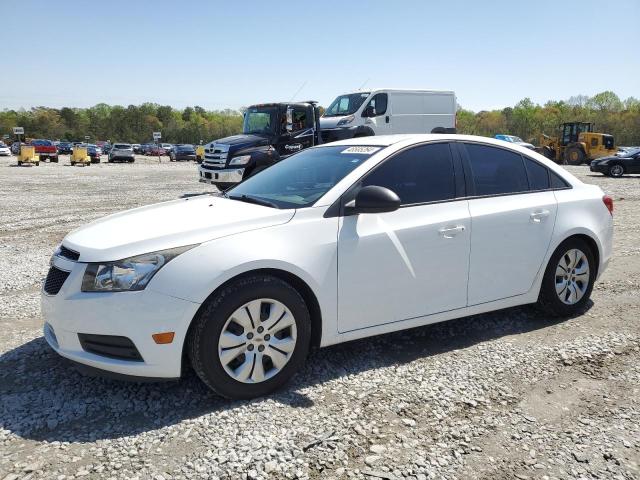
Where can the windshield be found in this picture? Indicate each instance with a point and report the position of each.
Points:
(630, 152)
(346, 104)
(260, 120)
(118, 146)
(185, 148)
(44, 143)
(301, 179)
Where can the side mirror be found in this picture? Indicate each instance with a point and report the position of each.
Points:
(373, 199)
(289, 126)
(369, 111)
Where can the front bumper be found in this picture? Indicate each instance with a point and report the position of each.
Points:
(232, 175)
(597, 167)
(135, 315)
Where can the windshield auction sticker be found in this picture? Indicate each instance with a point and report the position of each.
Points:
(364, 150)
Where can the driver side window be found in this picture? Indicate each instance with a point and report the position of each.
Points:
(377, 105)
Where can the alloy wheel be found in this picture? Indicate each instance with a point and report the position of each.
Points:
(572, 276)
(257, 341)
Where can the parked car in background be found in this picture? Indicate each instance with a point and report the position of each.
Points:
(168, 147)
(94, 153)
(122, 152)
(156, 151)
(182, 152)
(15, 147)
(146, 148)
(65, 148)
(4, 150)
(624, 162)
(45, 150)
(137, 148)
(244, 284)
(515, 140)
(106, 148)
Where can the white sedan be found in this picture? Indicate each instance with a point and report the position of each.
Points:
(337, 242)
(4, 150)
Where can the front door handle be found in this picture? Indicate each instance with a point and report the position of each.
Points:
(450, 232)
(539, 215)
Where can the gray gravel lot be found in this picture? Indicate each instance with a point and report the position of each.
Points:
(511, 394)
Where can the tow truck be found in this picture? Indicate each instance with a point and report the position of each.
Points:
(270, 132)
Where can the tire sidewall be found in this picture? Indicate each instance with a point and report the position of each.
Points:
(548, 295)
(615, 167)
(213, 318)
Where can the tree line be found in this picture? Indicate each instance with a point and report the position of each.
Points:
(135, 123)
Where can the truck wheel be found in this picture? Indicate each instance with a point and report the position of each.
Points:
(251, 337)
(73, 163)
(37, 164)
(616, 171)
(574, 156)
(55, 160)
(19, 163)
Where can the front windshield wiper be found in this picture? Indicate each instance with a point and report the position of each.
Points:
(248, 199)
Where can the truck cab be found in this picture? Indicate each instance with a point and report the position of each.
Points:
(270, 132)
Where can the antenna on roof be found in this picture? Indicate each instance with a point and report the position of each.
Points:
(365, 82)
(298, 91)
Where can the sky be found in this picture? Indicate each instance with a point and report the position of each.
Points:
(232, 54)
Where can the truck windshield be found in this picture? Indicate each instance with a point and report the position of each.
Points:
(301, 179)
(260, 120)
(346, 104)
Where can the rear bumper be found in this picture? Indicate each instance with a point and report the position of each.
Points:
(221, 176)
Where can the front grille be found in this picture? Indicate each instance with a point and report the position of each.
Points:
(68, 253)
(208, 166)
(55, 279)
(111, 346)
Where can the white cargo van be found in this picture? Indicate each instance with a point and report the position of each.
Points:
(388, 111)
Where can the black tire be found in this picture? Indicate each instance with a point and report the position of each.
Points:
(548, 300)
(37, 164)
(19, 163)
(132, 160)
(73, 163)
(574, 156)
(616, 170)
(54, 160)
(208, 326)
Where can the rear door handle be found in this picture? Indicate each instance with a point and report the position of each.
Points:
(539, 215)
(450, 232)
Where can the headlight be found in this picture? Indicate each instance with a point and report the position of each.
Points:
(240, 160)
(129, 274)
(346, 120)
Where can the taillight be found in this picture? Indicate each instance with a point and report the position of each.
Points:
(608, 202)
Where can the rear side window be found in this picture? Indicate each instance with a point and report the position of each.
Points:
(556, 181)
(418, 175)
(496, 171)
(538, 175)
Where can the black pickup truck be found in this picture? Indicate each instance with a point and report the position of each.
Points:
(270, 132)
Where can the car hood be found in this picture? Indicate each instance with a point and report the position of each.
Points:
(168, 225)
(608, 158)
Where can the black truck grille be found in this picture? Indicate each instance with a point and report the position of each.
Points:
(111, 346)
(68, 253)
(55, 279)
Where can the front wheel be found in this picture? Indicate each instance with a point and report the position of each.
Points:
(250, 338)
(574, 156)
(568, 279)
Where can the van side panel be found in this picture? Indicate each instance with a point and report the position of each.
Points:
(421, 112)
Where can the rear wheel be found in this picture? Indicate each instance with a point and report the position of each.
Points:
(568, 279)
(251, 337)
(616, 170)
(574, 156)
(19, 163)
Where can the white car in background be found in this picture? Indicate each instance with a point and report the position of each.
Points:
(515, 140)
(4, 150)
(337, 242)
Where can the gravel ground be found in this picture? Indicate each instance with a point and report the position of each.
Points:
(511, 394)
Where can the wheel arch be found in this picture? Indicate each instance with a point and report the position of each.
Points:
(589, 240)
(295, 281)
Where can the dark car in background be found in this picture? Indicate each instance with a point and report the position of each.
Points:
(624, 162)
(182, 152)
(65, 148)
(94, 153)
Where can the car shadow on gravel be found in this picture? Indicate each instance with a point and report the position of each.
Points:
(44, 397)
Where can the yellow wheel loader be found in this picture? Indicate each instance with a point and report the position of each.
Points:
(577, 144)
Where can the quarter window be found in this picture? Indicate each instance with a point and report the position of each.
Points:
(419, 175)
(538, 175)
(496, 171)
